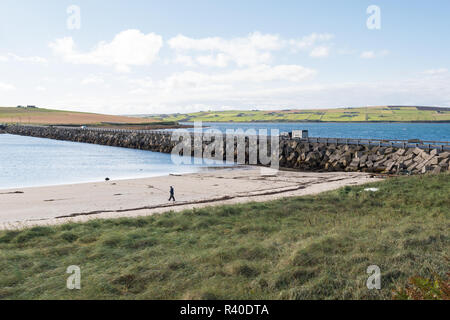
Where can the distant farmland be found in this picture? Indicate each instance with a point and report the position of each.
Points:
(367, 114)
(48, 116)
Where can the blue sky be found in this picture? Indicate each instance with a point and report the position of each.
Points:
(178, 56)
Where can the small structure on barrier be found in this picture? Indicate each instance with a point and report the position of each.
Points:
(302, 134)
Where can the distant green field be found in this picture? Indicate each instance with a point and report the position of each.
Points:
(368, 114)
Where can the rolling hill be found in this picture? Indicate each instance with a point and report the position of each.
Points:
(363, 114)
(48, 116)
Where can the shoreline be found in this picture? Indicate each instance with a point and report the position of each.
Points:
(6, 190)
(53, 205)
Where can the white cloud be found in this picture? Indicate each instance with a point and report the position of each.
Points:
(254, 40)
(219, 60)
(310, 40)
(346, 51)
(146, 82)
(27, 59)
(14, 57)
(252, 50)
(405, 92)
(320, 52)
(128, 48)
(92, 79)
(436, 71)
(373, 54)
(256, 74)
(188, 61)
(184, 89)
(368, 55)
(161, 97)
(40, 88)
(6, 86)
(250, 76)
(247, 51)
(138, 91)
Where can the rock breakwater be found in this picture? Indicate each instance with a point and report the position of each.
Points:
(293, 153)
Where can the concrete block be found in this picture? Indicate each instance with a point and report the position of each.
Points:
(417, 151)
(434, 152)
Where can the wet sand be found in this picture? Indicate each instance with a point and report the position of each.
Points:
(25, 207)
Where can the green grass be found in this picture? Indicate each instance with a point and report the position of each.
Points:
(378, 114)
(314, 247)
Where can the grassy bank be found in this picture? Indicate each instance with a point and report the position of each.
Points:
(368, 114)
(315, 247)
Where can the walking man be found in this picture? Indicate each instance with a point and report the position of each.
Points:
(171, 194)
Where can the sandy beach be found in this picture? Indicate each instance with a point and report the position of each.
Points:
(25, 207)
